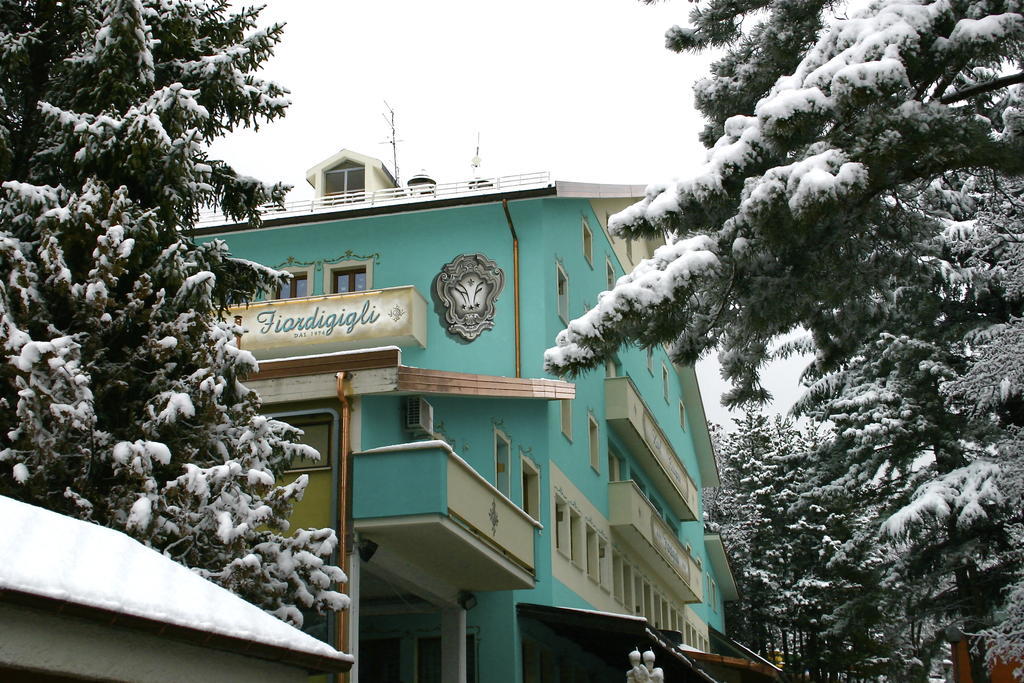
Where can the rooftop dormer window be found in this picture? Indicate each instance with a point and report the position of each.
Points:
(348, 177)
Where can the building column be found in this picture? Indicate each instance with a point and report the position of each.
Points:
(453, 645)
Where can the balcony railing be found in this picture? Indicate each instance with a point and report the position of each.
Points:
(347, 201)
(441, 515)
(629, 416)
(638, 524)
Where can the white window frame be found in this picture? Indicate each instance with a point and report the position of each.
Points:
(562, 292)
(592, 553)
(617, 584)
(501, 468)
(614, 466)
(345, 168)
(588, 241)
(529, 478)
(577, 540)
(561, 520)
(604, 564)
(347, 264)
(565, 417)
(307, 272)
(594, 442)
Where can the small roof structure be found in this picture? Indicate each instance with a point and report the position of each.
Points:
(344, 155)
(54, 563)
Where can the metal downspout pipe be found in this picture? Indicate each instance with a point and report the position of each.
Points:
(345, 526)
(515, 284)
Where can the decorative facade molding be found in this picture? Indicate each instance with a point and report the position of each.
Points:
(468, 287)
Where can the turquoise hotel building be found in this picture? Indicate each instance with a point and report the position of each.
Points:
(501, 525)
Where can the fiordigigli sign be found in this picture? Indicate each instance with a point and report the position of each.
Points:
(335, 322)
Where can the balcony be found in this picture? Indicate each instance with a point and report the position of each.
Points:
(334, 322)
(629, 416)
(428, 507)
(634, 520)
(348, 201)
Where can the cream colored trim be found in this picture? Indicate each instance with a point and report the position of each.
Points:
(346, 264)
(599, 595)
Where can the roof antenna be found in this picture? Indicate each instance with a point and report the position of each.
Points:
(475, 161)
(392, 139)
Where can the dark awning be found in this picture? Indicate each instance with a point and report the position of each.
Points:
(739, 659)
(611, 637)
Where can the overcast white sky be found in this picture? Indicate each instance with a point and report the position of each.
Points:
(582, 88)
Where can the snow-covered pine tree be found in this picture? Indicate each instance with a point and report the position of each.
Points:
(831, 173)
(849, 160)
(120, 385)
(807, 581)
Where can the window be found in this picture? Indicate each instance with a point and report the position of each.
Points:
(656, 610)
(617, 576)
(593, 559)
(316, 432)
(296, 287)
(562, 289)
(588, 242)
(627, 587)
(603, 561)
(609, 273)
(648, 610)
(428, 660)
(614, 466)
(531, 487)
(348, 280)
(380, 659)
(575, 538)
(348, 177)
(712, 594)
(650, 360)
(682, 414)
(502, 447)
(594, 443)
(566, 408)
(561, 525)
(629, 250)
(664, 381)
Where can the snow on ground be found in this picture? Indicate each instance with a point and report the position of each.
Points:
(48, 554)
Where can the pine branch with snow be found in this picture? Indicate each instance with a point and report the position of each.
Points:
(862, 185)
(121, 383)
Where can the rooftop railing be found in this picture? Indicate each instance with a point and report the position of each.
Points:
(345, 201)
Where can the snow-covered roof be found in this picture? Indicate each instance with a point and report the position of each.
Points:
(52, 556)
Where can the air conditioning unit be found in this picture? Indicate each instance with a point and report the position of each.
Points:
(419, 416)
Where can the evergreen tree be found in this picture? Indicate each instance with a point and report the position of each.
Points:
(121, 393)
(807, 579)
(861, 185)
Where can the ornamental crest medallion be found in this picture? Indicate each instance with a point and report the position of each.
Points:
(468, 287)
